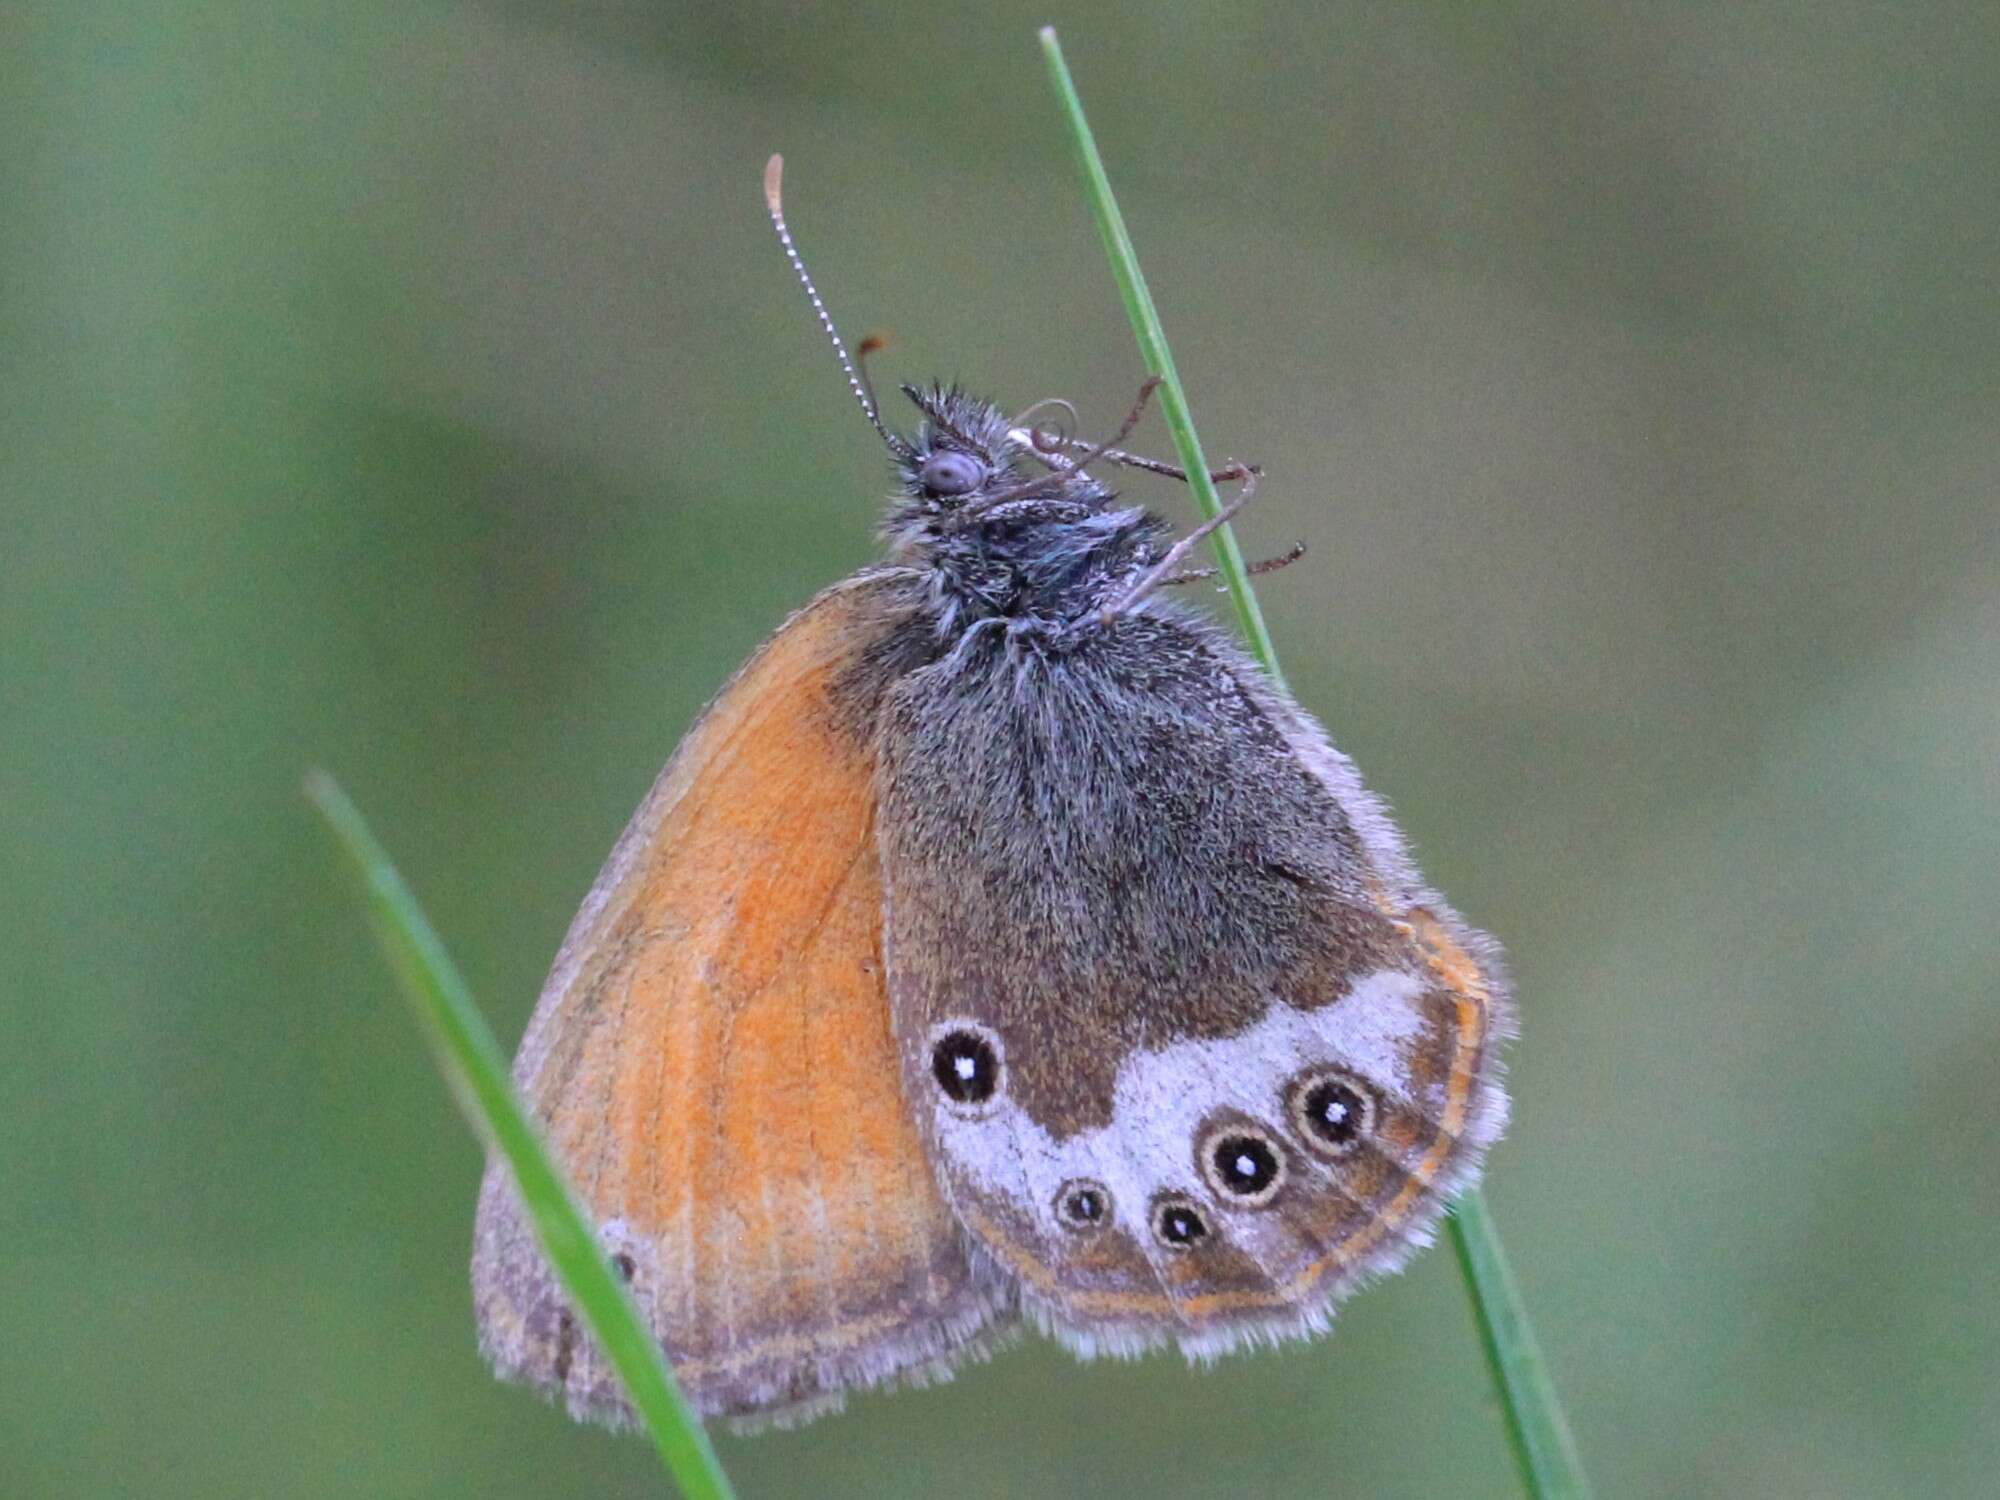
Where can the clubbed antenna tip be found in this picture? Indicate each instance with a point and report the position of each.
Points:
(774, 179)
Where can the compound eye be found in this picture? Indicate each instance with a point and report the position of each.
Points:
(948, 472)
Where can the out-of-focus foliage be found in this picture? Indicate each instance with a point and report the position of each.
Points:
(416, 389)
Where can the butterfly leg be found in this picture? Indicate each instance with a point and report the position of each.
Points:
(971, 515)
(1044, 445)
(1165, 568)
(1268, 565)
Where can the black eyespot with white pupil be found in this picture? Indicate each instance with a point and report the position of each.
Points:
(966, 1066)
(1332, 1112)
(1083, 1205)
(1178, 1224)
(949, 472)
(1244, 1164)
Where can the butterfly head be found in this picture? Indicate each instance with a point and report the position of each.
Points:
(968, 473)
(1009, 518)
(961, 452)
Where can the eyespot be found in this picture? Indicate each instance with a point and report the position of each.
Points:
(965, 1061)
(616, 1240)
(950, 472)
(1331, 1110)
(1083, 1205)
(1177, 1223)
(1242, 1163)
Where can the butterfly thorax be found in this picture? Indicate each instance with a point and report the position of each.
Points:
(1004, 534)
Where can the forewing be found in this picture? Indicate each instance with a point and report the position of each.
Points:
(711, 1061)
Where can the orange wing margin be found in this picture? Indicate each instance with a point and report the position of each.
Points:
(712, 1062)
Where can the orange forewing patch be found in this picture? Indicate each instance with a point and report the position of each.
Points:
(713, 1062)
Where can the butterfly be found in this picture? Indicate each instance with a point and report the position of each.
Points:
(1000, 946)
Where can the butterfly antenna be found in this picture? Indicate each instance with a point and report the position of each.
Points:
(774, 171)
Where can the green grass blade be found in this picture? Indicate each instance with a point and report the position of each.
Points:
(1536, 1427)
(1537, 1430)
(476, 1071)
(1158, 357)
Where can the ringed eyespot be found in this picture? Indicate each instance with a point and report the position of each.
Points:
(1331, 1110)
(1178, 1223)
(1242, 1163)
(965, 1061)
(1083, 1205)
(949, 472)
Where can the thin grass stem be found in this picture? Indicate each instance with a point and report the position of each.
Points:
(476, 1073)
(1158, 357)
(1537, 1429)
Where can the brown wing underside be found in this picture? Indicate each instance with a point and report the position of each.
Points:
(1338, 1220)
(1191, 1047)
(1261, 1270)
(713, 1065)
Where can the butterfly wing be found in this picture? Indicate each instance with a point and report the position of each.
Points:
(1190, 1047)
(711, 1061)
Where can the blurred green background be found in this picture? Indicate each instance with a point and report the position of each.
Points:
(417, 390)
